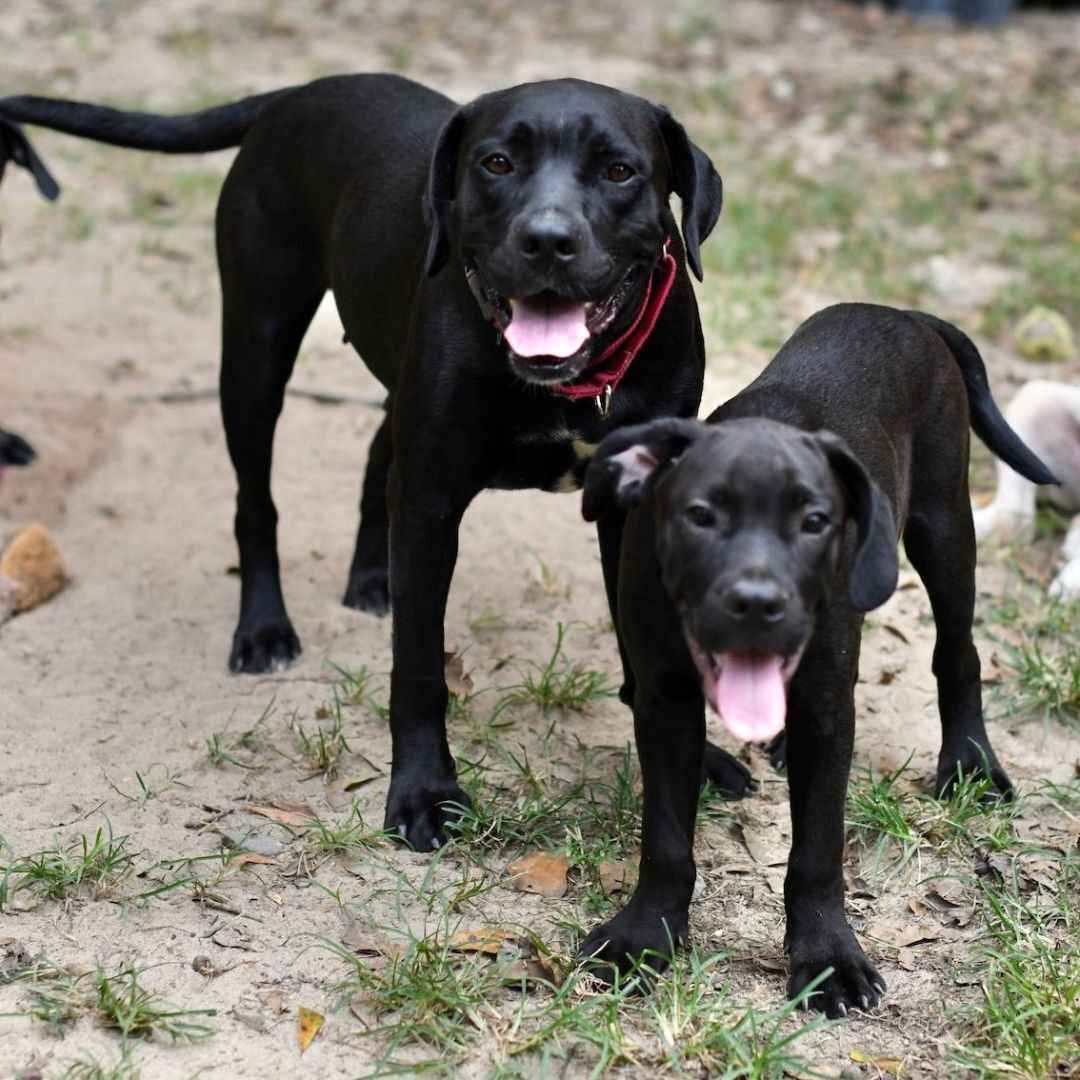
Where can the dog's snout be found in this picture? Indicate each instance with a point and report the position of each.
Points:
(755, 601)
(549, 237)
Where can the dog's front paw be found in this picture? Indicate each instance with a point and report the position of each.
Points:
(637, 941)
(369, 592)
(419, 812)
(269, 647)
(854, 983)
(729, 776)
(972, 762)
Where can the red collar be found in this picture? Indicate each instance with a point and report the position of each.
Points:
(606, 370)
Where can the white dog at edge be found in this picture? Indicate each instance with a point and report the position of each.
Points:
(1046, 415)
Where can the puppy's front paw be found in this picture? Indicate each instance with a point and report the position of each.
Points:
(637, 938)
(972, 761)
(419, 812)
(369, 592)
(269, 647)
(854, 983)
(730, 777)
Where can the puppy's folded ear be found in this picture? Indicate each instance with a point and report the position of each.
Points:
(876, 567)
(697, 184)
(440, 188)
(15, 146)
(629, 463)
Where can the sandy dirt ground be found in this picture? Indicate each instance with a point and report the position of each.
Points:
(108, 341)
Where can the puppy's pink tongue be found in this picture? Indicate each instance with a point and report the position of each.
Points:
(750, 695)
(546, 325)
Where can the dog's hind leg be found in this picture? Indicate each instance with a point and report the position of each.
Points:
(940, 542)
(368, 588)
(270, 292)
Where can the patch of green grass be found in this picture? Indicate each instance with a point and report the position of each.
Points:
(1027, 1024)
(559, 683)
(224, 747)
(149, 785)
(895, 820)
(528, 814)
(1042, 650)
(432, 1005)
(89, 1068)
(343, 837)
(121, 1002)
(321, 750)
(117, 1001)
(81, 864)
(186, 872)
(359, 688)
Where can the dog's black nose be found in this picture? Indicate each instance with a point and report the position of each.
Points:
(549, 237)
(755, 600)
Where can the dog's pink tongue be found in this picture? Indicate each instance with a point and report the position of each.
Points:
(750, 695)
(546, 325)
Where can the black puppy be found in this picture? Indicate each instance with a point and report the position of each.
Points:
(15, 450)
(511, 272)
(766, 535)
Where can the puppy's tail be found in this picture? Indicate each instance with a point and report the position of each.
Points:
(192, 133)
(986, 419)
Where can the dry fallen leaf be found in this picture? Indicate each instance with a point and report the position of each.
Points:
(286, 813)
(617, 876)
(896, 632)
(487, 941)
(457, 682)
(767, 843)
(249, 858)
(886, 1065)
(534, 969)
(310, 1024)
(539, 872)
(902, 936)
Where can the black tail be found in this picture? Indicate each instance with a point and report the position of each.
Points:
(15, 450)
(986, 419)
(193, 133)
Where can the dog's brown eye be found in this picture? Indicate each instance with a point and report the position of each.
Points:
(815, 523)
(700, 515)
(619, 173)
(497, 164)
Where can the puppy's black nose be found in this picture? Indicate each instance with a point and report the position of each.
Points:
(549, 237)
(755, 600)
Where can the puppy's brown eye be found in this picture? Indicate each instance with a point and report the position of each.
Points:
(700, 515)
(815, 523)
(497, 164)
(619, 173)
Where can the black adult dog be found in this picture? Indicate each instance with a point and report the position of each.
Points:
(539, 301)
(768, 532)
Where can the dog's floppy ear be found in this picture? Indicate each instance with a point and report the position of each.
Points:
(440, 188)
(629, 463)
(15, 146)
(876, 566)
(697, 184)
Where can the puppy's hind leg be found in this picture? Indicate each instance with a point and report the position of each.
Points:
(269, 295)
(369, 575)
(940, 542)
